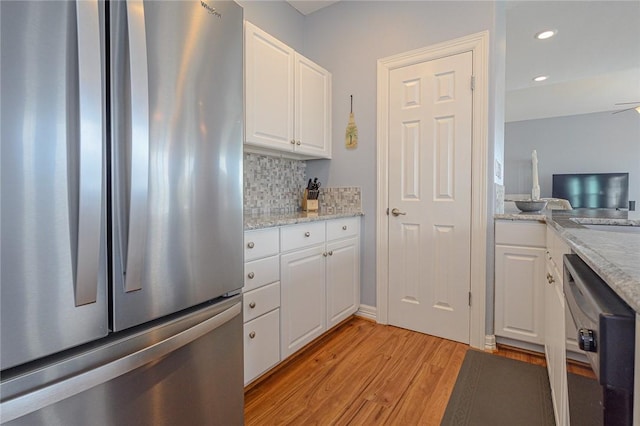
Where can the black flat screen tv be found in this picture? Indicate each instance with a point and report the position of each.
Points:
(593, 190)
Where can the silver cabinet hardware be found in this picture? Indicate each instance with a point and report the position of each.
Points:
(298, 143)
(252, 305)
(252, 334)
(344, 227)
(251, 245)
(397, 212)
(331, 253)
(307, 234)
(293, 142)
(324, 254)
(251, 275)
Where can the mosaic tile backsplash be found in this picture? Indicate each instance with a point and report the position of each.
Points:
(272, 185)
(275, 185)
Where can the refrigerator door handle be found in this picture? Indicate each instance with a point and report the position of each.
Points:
(137, 238)
(90, 187)
(33, 401)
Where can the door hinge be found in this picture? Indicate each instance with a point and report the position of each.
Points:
(473, 82)
(469, 298)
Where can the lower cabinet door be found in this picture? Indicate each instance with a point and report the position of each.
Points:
(519, 304)
(303, 307)
(261, 344)
(343, 280)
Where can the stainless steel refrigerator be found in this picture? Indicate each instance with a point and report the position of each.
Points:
(121, 212)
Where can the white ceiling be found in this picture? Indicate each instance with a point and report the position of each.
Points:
(309, 6)
(592, 63)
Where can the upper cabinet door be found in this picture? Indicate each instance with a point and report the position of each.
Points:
(287, 99)
(312, 108)
(269, 89)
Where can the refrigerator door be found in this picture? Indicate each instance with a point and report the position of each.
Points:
(185, 371)
(176, 137)
(53, 264)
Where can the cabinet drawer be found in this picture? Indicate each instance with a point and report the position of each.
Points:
(261, 243)
(521, 233)
(303, 235)
(341, 228)
(261, 301)
(261, 345)
(261, 272)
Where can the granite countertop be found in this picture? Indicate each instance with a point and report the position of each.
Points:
(279, 219)
(614, 256)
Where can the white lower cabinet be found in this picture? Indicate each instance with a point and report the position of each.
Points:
(519, 273)
(311, 284)
(555, 344)
(343, 279)
(303, 290)
(261, 302)
(321, 283)
(261, 344)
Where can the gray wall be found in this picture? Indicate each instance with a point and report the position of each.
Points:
(348, 38)
(278, 18)
(599, 142)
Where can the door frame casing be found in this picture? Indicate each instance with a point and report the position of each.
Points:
(478, 44)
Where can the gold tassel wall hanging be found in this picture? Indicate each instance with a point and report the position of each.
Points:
(351, 135)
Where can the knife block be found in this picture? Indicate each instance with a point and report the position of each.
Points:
(309, 205)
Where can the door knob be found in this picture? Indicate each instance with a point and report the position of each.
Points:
(397, 212)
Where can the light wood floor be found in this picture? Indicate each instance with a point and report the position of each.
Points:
(364, 374)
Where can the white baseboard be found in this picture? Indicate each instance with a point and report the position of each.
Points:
(490, 343)
(366, 311)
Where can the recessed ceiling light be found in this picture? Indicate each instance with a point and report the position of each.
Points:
(543, 35)
(540, 78)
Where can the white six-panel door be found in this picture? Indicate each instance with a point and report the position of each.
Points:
(430, 107)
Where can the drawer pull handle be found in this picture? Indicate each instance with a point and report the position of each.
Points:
(344, 227)
(252, 305)
(251, 275)
(307, 234)
(252, 334)
(251, 245)
(331, 253)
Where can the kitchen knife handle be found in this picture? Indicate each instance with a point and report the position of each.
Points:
(139, 184)
(90, 187)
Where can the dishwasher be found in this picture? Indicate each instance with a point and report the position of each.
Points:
(606, 332)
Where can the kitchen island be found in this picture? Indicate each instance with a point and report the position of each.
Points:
(608, 242)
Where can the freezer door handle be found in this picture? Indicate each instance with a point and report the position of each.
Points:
(87, 250)
(139, 185)
(33, 401)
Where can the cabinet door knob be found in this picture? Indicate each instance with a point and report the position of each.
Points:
(252, 305)
(325, 254)
(344, 227)
(252, 334)
(307, 234)
(251, 275)
(298, 143)
(251, 244)
(293, 142)
(331, 253)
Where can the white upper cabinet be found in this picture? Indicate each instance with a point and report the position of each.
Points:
(287, 98)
